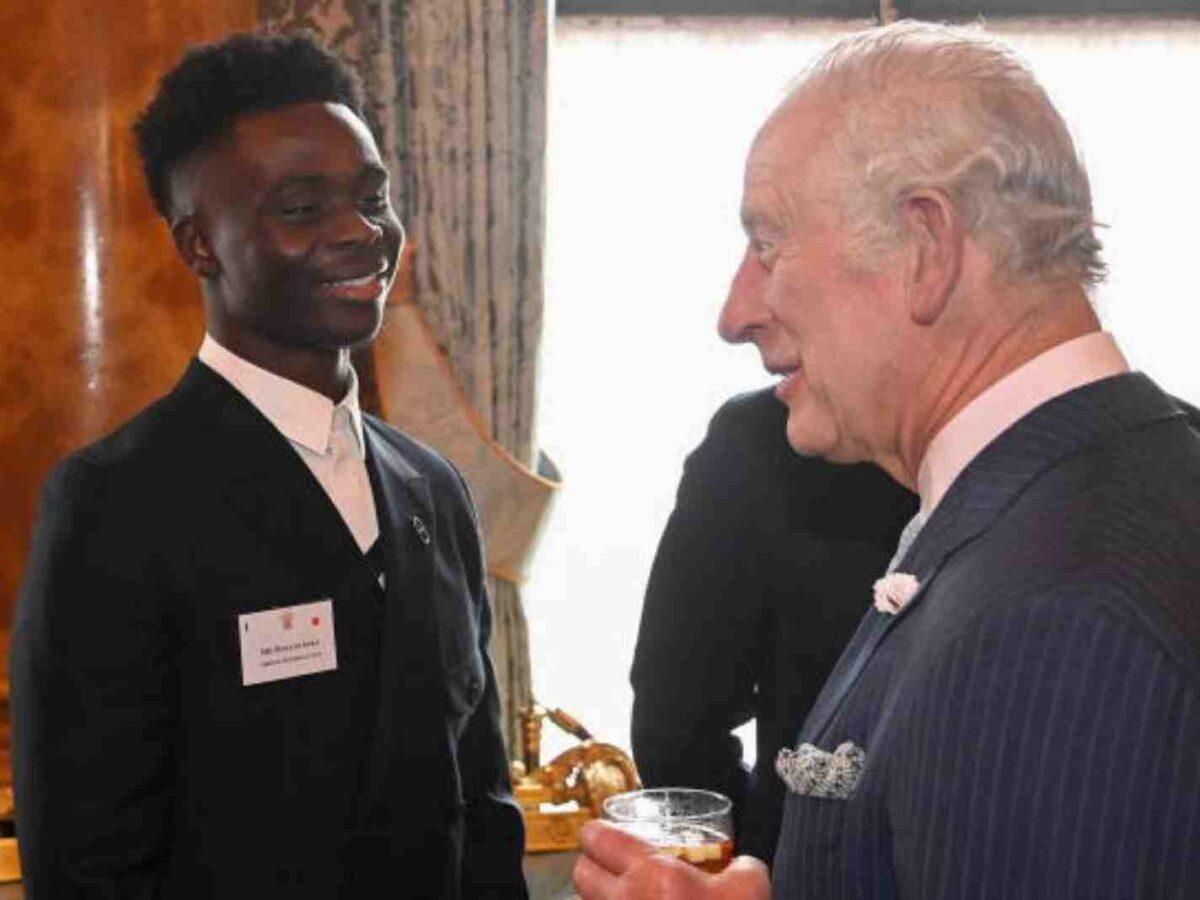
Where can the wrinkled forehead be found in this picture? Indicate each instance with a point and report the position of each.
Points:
(792, 152)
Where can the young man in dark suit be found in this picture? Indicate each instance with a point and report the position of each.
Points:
(763, 572)
(250, 651)
(1017, 714)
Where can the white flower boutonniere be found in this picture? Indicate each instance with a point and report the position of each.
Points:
(892, 592)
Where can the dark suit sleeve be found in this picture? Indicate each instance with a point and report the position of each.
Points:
(92, 693)
(1051, 754)
(494, 843)
(698, 650)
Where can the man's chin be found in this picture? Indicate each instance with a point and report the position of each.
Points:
(804, 446)
(807, 454)
(350, 332)
(359, 340)
(812, 442)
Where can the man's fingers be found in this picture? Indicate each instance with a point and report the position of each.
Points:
(592, 881)
(611, 848)
(746, 878)
(648, 877)
(614, 864)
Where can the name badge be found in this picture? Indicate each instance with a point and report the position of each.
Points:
(287, 642)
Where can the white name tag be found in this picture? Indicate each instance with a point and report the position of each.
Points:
(287, 642)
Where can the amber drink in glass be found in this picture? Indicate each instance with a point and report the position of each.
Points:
(693, 825)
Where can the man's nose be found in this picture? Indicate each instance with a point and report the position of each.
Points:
(351, 226)
(744, 311)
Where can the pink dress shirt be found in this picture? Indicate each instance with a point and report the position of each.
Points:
(1058, 370)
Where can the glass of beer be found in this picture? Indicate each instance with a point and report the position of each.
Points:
(693, 825)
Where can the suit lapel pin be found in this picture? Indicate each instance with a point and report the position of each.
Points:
(420, 529)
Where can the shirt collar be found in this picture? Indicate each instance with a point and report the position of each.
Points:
(302, 415)
(1060, 369)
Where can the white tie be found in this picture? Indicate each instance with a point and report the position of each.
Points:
(349, 486)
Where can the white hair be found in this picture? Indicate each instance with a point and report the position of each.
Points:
(928, 106)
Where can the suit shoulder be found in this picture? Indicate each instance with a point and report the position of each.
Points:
(1093, 538)
(1142, 522)
(745, 457)
(130, 453)
(1190, 413)
(750, 431)
(758, 409)
(753, 427)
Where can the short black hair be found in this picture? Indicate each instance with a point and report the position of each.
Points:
(198, 101)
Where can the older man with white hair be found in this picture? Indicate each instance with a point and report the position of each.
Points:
(1019, 711)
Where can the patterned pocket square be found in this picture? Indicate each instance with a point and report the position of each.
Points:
(813, 772)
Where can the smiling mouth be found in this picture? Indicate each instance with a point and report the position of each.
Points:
(788, 379)
(361, 281)
(783, 371)
(359, 288)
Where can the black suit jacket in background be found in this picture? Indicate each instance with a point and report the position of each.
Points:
(145, 769)
(762, 574)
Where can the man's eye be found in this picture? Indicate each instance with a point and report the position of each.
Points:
(299, 210)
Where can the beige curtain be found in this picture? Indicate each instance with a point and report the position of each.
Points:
(459, 94)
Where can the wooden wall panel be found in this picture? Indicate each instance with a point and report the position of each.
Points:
(98, 316)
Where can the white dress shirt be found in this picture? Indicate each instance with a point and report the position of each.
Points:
(328, 437)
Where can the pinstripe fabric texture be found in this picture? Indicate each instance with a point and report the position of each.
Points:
(1031, 720)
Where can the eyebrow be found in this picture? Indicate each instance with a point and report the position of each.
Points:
(753, 219)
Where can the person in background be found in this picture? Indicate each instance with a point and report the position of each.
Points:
(762, 573)
(250, 650)
(1017, 714)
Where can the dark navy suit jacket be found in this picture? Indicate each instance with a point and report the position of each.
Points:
(1031, 720)
(144, 769)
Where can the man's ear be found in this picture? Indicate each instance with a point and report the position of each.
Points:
(192, 243)
(936, 235)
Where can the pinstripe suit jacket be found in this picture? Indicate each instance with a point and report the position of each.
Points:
(1031, 720)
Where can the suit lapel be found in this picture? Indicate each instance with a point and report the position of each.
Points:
(1064, 426)
(409, 660)
(406, 526)
(259, 476)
